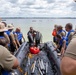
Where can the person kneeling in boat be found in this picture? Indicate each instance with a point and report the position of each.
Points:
(31, 36)
(7, 60)
(61, 46)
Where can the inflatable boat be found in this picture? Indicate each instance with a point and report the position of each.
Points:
(46, 62)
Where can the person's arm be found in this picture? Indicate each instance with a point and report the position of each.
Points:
(68, 62)
(57, 46)
(23, 37)
(70, 36)
(16, 63)
(13, 40)
(68, 66)
(16, 39)
(63, 47)
(7, 37)
(7, 60)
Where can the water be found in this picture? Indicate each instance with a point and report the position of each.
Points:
(45, 26)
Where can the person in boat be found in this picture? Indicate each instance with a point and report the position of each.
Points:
(19, 35)
(13, 44)
(61, 46)
(54, 33)
(31, 35)
(3, 36)
(5, 24)
(7, 61)
(68, 62)
(38, 38)
(60, 31)
(70, 33)
(6, 58)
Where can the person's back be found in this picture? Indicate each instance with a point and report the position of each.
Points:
(7, 60)
(4, 39)
(13, 44)
(19, 35)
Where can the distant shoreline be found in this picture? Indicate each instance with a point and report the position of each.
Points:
(38, 17)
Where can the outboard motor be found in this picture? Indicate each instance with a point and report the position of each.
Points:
(30, 38)
(38, 38)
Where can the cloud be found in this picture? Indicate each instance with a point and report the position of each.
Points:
(37, 8)
(50, 1)
(12, 1)
(72, 6)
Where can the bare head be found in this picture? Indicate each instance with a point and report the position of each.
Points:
(31, 28)
(5, 24)
(18, 29)
(68, 26)
(59, 27)
(55, 26)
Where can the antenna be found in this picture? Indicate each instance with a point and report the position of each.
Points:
(75, 27)
(0, 19)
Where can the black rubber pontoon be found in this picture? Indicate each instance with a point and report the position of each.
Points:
(46, 62)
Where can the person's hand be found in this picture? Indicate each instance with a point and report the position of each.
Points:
(55, 48)
(16, 48)
(62, 51)
(19, 45)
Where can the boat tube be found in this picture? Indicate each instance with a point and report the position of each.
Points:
(46, 62)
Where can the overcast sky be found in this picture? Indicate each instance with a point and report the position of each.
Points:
(37, 8)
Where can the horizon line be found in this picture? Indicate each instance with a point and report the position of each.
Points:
(38, 17)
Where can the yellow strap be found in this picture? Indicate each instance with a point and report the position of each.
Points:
(20, 69)
(30, 55)
(25, 73)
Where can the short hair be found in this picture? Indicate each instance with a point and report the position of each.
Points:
(5, 24)
(3, 41)
(59, 27)
(58, 36)
(69, 25)
(31, 28)
(55, 25)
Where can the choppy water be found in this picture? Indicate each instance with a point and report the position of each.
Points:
(45, 26)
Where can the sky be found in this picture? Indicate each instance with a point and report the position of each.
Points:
(37, 8)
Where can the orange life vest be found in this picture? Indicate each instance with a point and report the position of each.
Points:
(54, 33)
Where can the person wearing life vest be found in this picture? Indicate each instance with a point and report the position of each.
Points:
(68, 62)
(61, 46)
(19, 35)
(13, 44)
(5, 25)
(6, 58)
(54, 33)
(70, 33)
(31, 35)
(60, 31)
(3, 36)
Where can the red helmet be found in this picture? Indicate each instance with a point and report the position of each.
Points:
(34, 50)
